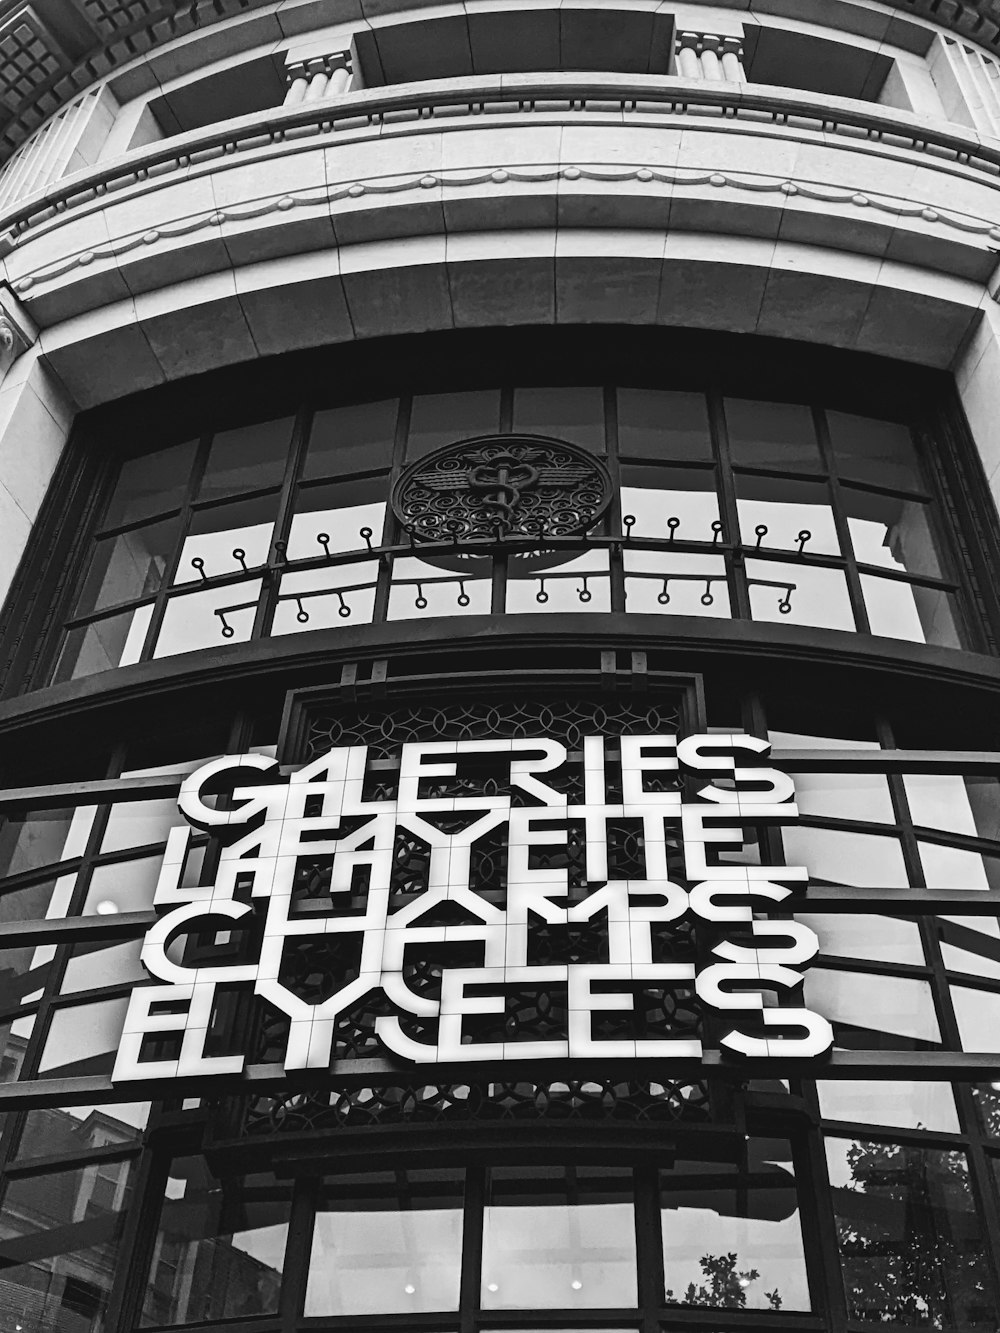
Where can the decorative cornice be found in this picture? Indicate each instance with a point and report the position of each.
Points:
(320, 198)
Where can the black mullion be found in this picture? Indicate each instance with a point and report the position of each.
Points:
(840, 522)
(616, 561)
(818, 1221)
(271, 578)
(306, 1197)
(107, 613)
(473, 1221)
(131, 1276)
(927, 925)
(651, 1280)
(739, 593)
(40, 1166)
(380, 610)
(187, 508)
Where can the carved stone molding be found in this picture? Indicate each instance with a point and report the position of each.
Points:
(17, 332)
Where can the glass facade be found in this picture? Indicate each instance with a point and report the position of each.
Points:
(625, 1193)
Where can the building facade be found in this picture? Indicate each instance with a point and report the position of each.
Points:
(500, 732)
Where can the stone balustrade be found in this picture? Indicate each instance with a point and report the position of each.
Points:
(318, 77)
(705, 55)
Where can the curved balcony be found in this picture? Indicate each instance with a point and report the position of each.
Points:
(283, 230)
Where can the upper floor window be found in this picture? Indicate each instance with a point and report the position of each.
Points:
(724, 506)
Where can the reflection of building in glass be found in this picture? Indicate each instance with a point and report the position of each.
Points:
(532, 385)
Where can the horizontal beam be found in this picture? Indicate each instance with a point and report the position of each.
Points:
(267, 1080)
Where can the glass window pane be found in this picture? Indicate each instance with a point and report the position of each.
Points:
(421, 589)
(863, 935)
(219, 1249)
(139, 823)
(731, 1233)
(92, 965)
(351, 439)
(62, 1234)
(112, 642)
(83, 1039)
(656, 423)
(217, 533)
(977, 1013)
(863, 796)
(799, 595)
(14, 1037)
(127, 886)
(892, 533)
(676, 583)
(971, 944)
(900, 610)
(250, 458)
(151, 484)
(437, 419)
(906, 1105)
(576, 415)
(559, 1238)
(954, 868)
(330, 518)
(32, 839)
(969, 805)
(878, 452)
(673, 503)
(835, 856)
(74, 1129)
(38, 902)
(387, 1244)
(323, 598)
(874, 1013)
(777, 514)
(987, 1100)
(24, 973)
(203, 619)
(800, 740)
(580, 583)
(128, 567)
(778, 436)
(911, 1244)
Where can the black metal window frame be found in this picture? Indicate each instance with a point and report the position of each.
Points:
(373, 567)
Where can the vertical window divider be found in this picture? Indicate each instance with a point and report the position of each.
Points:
(132, 1274)
(271, 580)
(187, 508)
(736, 571)
(298, 1250)
(473, 1223)
(651, 1279)
(820, 1242)
(390, 533)
(616, 557)
(841, 524)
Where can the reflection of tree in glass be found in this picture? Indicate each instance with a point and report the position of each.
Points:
(725, 1287)
(910, 1239)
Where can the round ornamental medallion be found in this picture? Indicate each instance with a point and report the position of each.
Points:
(500, 486)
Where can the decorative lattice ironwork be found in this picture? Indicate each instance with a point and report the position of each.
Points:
(589, 1100)
(502, 486)
(384, 728)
